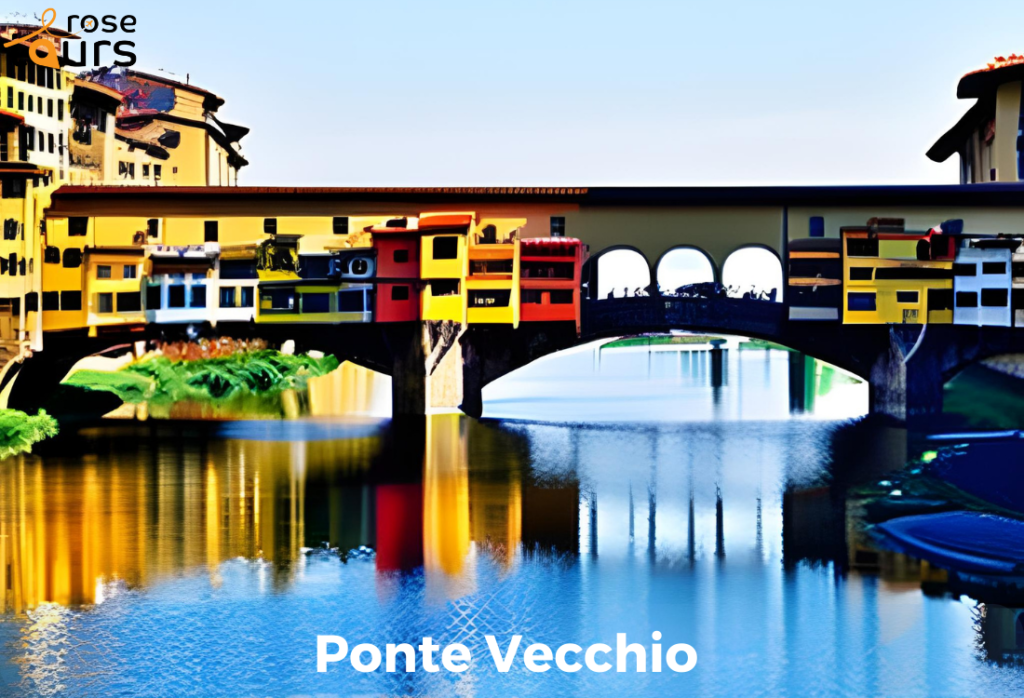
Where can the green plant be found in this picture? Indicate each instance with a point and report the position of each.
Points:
(20, 431)
(162, 381)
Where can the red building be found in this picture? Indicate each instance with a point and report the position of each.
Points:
(549, 280)
(398, 271)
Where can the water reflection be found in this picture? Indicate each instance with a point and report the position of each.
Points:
(667, 378)
(745, 539)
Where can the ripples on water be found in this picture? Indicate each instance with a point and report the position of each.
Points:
(191, 559)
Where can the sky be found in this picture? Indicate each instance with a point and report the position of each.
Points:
(389, 93)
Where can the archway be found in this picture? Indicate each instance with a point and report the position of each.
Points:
(622, 272)
(683, 266)
(755, 271)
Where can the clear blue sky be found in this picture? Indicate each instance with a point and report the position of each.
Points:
(580, 93)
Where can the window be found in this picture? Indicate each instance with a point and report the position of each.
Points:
(491, 298)
(548, 270)
(446, 247)
(60, 110)
(316, 302)
(227, 296)
(531, 297)
(401, 256)
(31, 99)
(157, 172)
(145, 170)
(906, 296)
(563, 297)
(444, 287)
(199, 296)
(399, 293)
(129, 302)
(49, 142)
(130, 271)
(72, 258)
(21, 101)
(940, 299)
(153, 297)
(966, 299)
(10, 98)
(78, 226)
(860, 301)
(238, 269)
(49, 107)
(106, 303)
(557, 226)
(817, 227)
(176, 296)
(153, 227)
(278, 299)
(270, 226)
(350, 301)
(993, 267)
(247, 297)
(12, 264)
(862, 247)
(51, 300)
(70, 300)
(961, 269)
(211, 231)
(995, 297)
(493, 266)
(31, 302)
(10, 229)
(103, 271)
(340, 225)
(860, 273)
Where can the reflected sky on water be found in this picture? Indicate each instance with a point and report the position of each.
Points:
(191, 559)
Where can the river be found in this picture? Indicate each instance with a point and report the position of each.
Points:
(625, 489)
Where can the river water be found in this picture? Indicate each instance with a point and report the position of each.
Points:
(626, 490)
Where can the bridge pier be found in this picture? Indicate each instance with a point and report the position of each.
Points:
(426, 373)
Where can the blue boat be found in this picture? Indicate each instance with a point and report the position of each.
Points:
(966, 542)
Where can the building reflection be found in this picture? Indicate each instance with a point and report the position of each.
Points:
(161, 501)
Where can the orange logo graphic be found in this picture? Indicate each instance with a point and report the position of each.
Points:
(42, 51)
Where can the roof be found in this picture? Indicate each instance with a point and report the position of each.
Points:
(234, 157)
(979, 83)
(11, 116)
(990, 194)
(31, 27)
(954, 139)
(106, 97)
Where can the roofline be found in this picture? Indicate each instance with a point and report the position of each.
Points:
(76, 199)
(984, 82)
(952, 141)
(234, 157)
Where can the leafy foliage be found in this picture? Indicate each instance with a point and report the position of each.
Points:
(19, 431)
(159, 380)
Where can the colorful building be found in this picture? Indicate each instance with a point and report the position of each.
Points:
(549, 279)
(892, 275)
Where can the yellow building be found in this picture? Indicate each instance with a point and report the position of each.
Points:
(444, 265)
(885, 281)
(166, 131)
(493, 281)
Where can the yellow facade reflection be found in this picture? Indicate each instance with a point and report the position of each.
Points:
(66, 528)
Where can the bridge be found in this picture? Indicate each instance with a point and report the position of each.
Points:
(446, 364)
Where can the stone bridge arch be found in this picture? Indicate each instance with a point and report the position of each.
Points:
(754, 266)
(614, 269)
(682, 265)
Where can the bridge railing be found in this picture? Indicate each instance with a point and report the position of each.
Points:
(662, 313)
